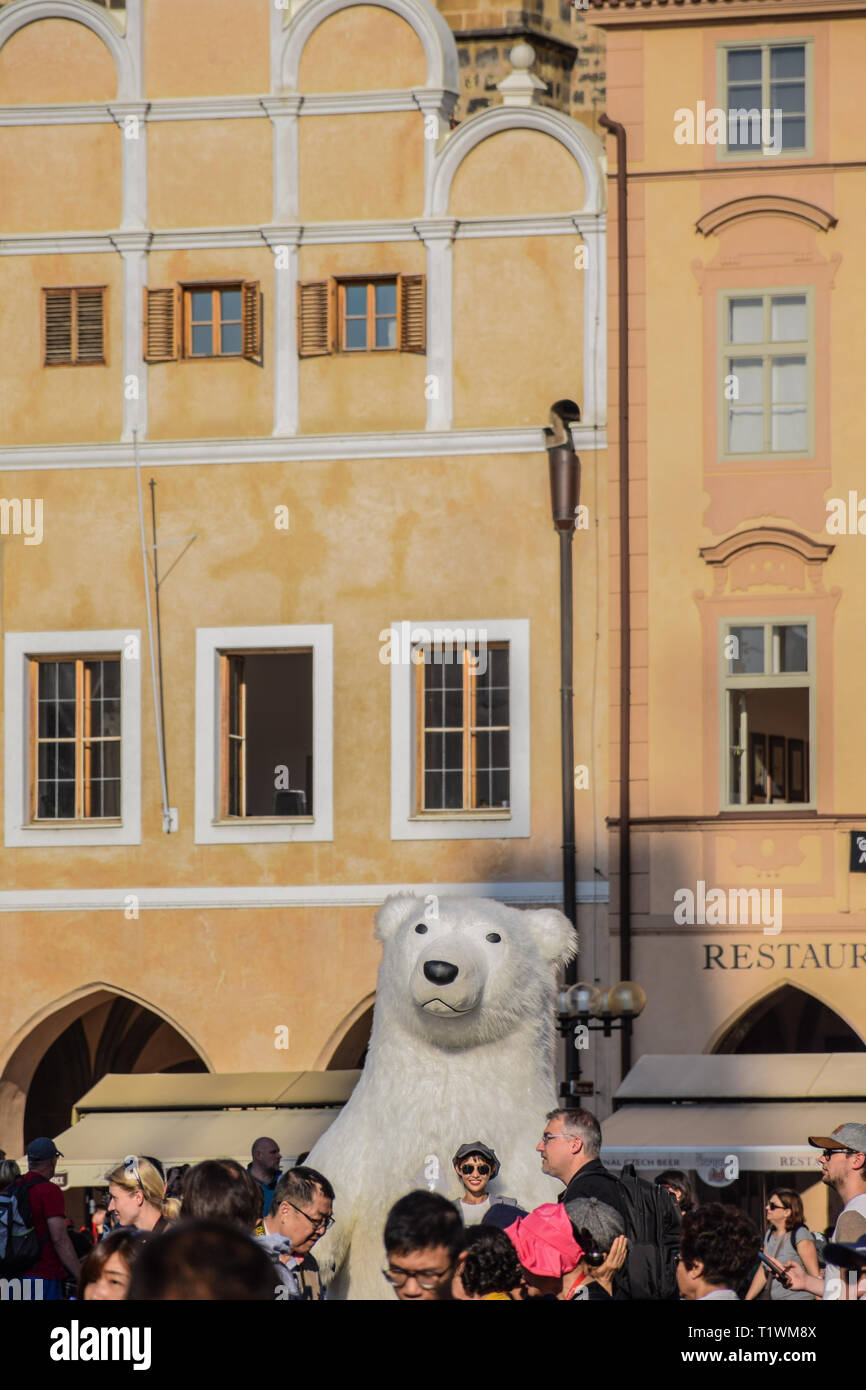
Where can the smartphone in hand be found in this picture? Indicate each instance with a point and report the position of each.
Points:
(775, 1269)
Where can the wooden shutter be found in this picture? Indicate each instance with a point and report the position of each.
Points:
(58, 326)
(413, 313)
(316, 317)
(251, 300)
(161, 324)
(90, 326)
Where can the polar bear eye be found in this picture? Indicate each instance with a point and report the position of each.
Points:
(420, 929)
(493, 936)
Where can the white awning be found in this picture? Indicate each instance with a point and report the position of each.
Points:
(772, 1137)
(101, 1140)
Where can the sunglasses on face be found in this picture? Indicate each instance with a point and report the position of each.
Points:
(776, 1206)
(482, 1168)
(828, 1153)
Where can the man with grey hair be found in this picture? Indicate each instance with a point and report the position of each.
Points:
(570, 1147)
(265, 1168)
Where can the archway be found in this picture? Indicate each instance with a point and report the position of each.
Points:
(790, 1020)
(116, 1036)
(351, 1050)
(71, 1045)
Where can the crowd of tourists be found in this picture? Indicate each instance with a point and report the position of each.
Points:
(223, 1230)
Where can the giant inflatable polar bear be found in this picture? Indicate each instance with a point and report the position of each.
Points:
(461, 1049)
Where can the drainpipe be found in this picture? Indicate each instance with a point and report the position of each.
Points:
(618, 132)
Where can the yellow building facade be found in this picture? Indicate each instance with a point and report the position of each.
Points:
(746, 197)
(245, 257)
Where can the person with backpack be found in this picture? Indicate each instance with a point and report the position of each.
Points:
(570, 1150)
(42, 1250)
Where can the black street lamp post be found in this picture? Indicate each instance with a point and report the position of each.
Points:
(564, 467)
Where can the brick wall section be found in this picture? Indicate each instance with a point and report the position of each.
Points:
(574, 73)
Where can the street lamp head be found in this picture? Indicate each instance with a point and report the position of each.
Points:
(579, 999)
(564, 464)
(626, 998)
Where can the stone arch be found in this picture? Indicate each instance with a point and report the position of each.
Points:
(436, 38)
(584, 147)
(785, 993)
(349, 1039)
(28, 1046)
(15, 17)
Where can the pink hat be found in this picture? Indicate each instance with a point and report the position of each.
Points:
(545, 1242)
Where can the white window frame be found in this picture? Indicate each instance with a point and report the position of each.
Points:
(210, 643)
(727, 351)
(739, 155)
(795, 679)
(487, 824)
(20, 829)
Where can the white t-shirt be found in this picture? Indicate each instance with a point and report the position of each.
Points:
(832, 1274)
(473, 1212)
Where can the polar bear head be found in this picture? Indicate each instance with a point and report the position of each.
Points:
(460, 972)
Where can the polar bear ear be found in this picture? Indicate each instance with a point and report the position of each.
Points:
(553, 934)
(394, 912)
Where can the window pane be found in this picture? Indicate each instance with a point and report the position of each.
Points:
(453, 791)
(453, 751)
(788, 97)
(788, 62)
(746, 321)
(788, 318)
(201, 305)
(789, 432)
(434, 791)
(500, 788)
(788, 378)
(65, 679)
(231, 339)
(386, 297)
(230, 304)
(202, 340)
(482, 752)
(744, 116)
(748, 654)
(793, 132)
(386, 333)
(744, 64)
(745, 431)
(356, 299)
(356, 334)
(433, 708)
(454, 709)
(793, 646)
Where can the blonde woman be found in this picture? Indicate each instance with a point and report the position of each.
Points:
(136, 1194)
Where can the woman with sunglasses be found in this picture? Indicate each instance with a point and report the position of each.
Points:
(136, 1193)
(787, 1239)
(476, 1165)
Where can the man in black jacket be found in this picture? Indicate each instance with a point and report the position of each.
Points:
(570, 1148)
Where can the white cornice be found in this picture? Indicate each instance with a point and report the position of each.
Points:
(421, 444)
(233, 108)
(307, 234)
(316, 895)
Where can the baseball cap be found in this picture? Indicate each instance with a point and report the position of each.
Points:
(848, 1136)
(545, 1242)
(846, 1255)
(478, 1148)
(38, 1150)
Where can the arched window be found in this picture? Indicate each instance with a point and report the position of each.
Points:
(790, 1020)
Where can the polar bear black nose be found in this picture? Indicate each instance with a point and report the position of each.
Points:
(441, 972)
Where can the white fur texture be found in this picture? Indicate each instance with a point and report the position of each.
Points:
(449, 1062)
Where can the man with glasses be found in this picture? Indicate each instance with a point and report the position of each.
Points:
(570, 1147)
(423, 1243)
(300, 1215)
(843, 1167)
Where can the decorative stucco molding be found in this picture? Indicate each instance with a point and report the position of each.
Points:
(764, 205)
